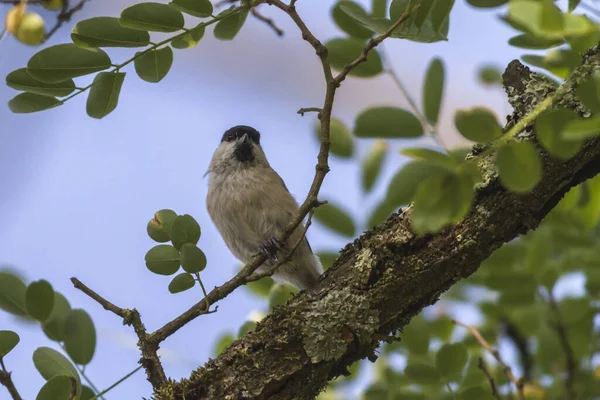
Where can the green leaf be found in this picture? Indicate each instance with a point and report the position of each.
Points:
(154, 65)
(228, 28)
(327, 258)
(181, 283)
(387, 122)
(529, 41)
(162, 259)
(487, 3)
(421, 14)
(379, 8)
(54, 327)
(435, 157)
(371, 164)
(58, 387)
(154, 17)
(197, 8)
(104, 94)
(280, 294)
(451, 359)
(588, 92)
(519, 166)
(560, 62)
(343, 51)
(476, 393)
(26, 103)
(12, 294)
(107, 32)
(190, 39)
(404, 183)
(21, 80)
(159, 227)
(185, 229)
(39, 299)
(51, 363)
(224, 341)
(336, 219)
(478, 124)
(422, 374)
(581, 129)
(551, 19)
(441, 200)
(86, 393)
(65, 61)
(80, 336)
(440, 14)
(261, 287)
(433, 90)
(342, 142)
(246, 327)
(8, 341)
(192, 258)
(548, 128)
(573, 4)
(348, 24)
(415, 336)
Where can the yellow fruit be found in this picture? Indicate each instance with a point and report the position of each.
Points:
(31, 30)
(14, 17)
(52, 4)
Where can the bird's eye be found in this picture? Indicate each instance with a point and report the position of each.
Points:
(230, 136)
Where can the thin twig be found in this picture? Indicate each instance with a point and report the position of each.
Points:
(6, 381)
(571, 364)
(303, 111)
(82, 372)
(518, 382)
(490, 378)
(203, 291)
(64, 16)
(116, 383)
(150, 361)
(267, 21)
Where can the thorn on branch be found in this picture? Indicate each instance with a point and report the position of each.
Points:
(303, 111)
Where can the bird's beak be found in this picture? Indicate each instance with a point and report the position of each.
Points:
(245, 138)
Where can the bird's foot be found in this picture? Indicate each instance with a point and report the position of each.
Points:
(270, 246)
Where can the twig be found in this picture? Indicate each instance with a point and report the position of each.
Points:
(150, 362)
(522, 344)
(203, 291)
(303, 111)
(490, 378)
(267, 21)
(64, 16)
(571, 364)
(6, 381)
(518, 382)
(82, 372)
(116, 383)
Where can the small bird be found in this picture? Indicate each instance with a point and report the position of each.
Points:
(251, 206)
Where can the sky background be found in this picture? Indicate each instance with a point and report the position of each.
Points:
(77, 192)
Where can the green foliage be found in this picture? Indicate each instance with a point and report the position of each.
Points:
(80, 336)
(387, 122)
(181, 283)
(343, 51)
(372, 163)
(280, 294)
(433, 90)
(163, 259)
(519, 166)
(450, 360)
(107, 32)
(185, 229)
(12, 294)
(335, 218)
(192, 258)
(348, 24)
(25, 103)
(154, 65)
(150, 16)
(104, 94)
(65, 61)
(228, 28)
(56, 388)
(51, 363)
(21, 80)
(549, 127)
(39, 300)
(54, 326)
(159, 227)
(197, 8)
(223, 342)
(490, 75)
(8, 341)
(589, 92)
(478, 125)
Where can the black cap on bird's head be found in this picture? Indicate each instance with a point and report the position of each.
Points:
(244, 137)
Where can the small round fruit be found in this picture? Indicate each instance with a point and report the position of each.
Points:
(31, 30)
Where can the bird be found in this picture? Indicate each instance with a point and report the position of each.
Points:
(251, 206)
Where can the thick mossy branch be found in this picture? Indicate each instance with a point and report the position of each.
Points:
(388, 275)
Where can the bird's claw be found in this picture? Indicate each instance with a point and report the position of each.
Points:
(270, 246)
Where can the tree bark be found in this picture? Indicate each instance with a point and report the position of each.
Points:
(388, 275)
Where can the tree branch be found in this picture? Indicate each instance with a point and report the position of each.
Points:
(389, 274)
(6, 381)
(490, 378)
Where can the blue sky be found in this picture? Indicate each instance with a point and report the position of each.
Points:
(78, 192)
